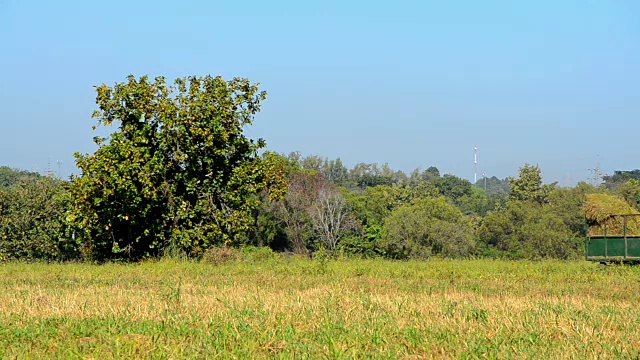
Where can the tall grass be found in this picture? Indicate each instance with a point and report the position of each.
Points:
(298, 308)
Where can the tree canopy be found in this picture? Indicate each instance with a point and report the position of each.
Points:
(177, 173)
(528, 186)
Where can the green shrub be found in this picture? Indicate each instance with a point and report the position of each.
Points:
(427, 227)
(527, 230)
(261, 253)
(32, 220)
(362, 245)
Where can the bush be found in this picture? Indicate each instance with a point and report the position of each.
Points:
(528, 230)
(32, 220)
(262, 253)
(220, 255)
(427, 227)
(362, 245)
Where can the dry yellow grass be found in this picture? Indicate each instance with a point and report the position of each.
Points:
(337, 309)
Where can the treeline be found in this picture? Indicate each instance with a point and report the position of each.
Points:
(177, 176)
(394, 215)
(421, 215)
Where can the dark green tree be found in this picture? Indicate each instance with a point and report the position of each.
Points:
(620, 177)
(177, 173)
(453, 187)
(474, 204)
(431, 174)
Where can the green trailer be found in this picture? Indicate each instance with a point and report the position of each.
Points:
(614, 240)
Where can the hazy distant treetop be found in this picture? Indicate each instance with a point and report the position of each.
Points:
(528, 186)
(9, 176)
(620, 176)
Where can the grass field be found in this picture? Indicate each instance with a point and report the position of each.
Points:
(299, 308)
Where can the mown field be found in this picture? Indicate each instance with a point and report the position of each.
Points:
(299, 308)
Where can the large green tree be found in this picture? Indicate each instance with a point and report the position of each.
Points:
(177, 173)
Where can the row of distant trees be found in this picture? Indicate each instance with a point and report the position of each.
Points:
(177, 175)
(437, 215)
(429, 215)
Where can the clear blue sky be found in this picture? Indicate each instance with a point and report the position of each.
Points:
(410, 83)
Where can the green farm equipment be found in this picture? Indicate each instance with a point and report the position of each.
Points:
(616, 239)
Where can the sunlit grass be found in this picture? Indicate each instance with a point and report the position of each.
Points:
(293, 307)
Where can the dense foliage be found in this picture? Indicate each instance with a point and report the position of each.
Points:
(424, 227)
(32, 219)
(177, 174)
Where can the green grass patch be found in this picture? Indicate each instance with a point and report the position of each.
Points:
(279, 307)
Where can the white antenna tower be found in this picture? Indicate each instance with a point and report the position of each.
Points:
(475, 165)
